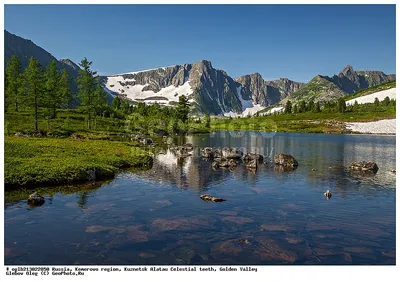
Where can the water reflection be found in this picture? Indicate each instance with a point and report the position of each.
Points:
(324, 160)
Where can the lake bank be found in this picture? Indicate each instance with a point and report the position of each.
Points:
(50, 161)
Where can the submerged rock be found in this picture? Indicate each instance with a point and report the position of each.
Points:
(35, 199)
(207, 198)
(370, 167)
(285, 160)
(243, 240)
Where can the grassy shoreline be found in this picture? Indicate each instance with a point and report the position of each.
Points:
(33, 162)
(323, 122)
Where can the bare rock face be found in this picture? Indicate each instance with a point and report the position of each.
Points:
(285, 160)
(363, 166)
(266, 93)
(35, 199)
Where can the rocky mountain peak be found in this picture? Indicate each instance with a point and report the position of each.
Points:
(70, 63)
(347, 71)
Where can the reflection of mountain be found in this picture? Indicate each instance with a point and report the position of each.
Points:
(329, 155)
(191, 172)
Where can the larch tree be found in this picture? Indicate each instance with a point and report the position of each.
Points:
(64, 88)
(86, 88)
(14, 82)
(53, 96)
(34, 87)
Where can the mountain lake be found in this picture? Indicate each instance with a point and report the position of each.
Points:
(156, 217)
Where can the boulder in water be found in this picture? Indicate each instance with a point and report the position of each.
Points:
(208, 198)
(35, 199)
(285, 160)
(250, 156)
(369, 167)
(207, 153)
(328, 194)
(231, 153)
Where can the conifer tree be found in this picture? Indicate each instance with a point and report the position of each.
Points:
(288, 107)
(341, 105)
(34, 87)
(14, 82)
(317, 107)
(86, 88)
(65, 89)
(183, 108)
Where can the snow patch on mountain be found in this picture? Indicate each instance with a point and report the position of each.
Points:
(248, 106)
(381, 95)
(136, 93)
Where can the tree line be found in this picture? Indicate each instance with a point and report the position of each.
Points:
(47, 89)
(338, 106)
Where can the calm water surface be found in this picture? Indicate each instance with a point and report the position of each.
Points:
(157, 217)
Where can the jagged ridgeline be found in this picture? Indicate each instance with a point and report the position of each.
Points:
(210, 90)
(325, 88)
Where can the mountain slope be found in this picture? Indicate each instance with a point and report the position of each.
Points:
(267, 93)
(24, 49)
(209, 90)
(348, 81)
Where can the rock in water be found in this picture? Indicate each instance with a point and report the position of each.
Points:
(250, 156)
(208, 198)
(215, 165)
(285, 160)
(207, 153)
(328, 194)
(252, 164)
(35, 199)
(231, 163)
(231, 153)
(370, 167)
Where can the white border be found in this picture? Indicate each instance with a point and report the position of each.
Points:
(264, 273)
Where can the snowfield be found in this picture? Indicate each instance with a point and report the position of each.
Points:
(381, 95)
(385, 126)
(135, 93)
(274, 110)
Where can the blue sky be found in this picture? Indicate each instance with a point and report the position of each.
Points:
(293, 41)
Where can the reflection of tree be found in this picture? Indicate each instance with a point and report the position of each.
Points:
(82, 199)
